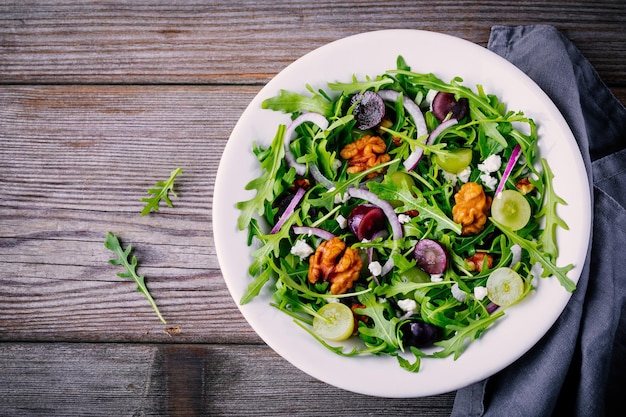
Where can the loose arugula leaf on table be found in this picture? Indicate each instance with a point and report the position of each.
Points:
(113, 244)
(160, 192)
(264, 184)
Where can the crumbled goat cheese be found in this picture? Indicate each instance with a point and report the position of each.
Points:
(464, 175)
(341, 198)
(332, 300)
(480, 292)
(403, 218)
(489, 181)
(457, 293)
(516, 251)
(336, 164)
(450, 177)
(407, 305)
(301, 249)
(491, 164)
(536, 271)
(436, 278)
(342, 221)
(375, 268)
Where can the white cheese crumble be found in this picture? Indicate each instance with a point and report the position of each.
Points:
(336, 164)
(375, 268)
(407, 305)
(516, 251)
(436, 278)
(480, 292)
(491, 164)
(489, 181)
(457, 293)
(450, 177)
(536, 271)
(341, 198)
(332, 300)
(464, 175)
(301, 249)
(342, 221)
(403, 218)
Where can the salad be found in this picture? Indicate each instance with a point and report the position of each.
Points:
(402, 212)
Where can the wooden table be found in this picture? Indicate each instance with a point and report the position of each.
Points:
(101, 99)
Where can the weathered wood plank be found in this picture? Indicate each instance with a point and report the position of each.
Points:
(244, 42)
(178, 380)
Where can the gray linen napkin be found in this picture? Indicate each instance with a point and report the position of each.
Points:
(579, 367)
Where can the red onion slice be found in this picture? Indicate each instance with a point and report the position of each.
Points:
(509, 167)
(396, 227)
(289, 210)
(411, 162)
(314, 231)
(319, 177)
(315, 118)
(418, 118)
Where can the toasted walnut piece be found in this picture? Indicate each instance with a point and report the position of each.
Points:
(471, 208)
(365, 153)
(335, 263)
(476, 261)
(524, 186)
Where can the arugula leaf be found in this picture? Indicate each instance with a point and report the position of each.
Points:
(113, 244)
(383, 329)
(392, 192)
(264, 184)
(360, 86)
(537, 255)
(290, 102)
(406, 364)
(160, 192)
(547, 239)
(472, 331)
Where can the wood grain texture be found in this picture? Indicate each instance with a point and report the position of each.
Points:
(248, 42)
(101, 99)
(178, 380)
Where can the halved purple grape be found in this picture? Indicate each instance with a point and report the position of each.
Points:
(431, 256)
(365, 220)
(369, 109)
(419, 334)
(445, 103)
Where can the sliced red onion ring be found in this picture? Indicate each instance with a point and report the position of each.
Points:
(315, 118)
(319, 177)
(387, 267)
(289, 210)
(314, 231)
(509, 167)
(396, 227)
(418, 118)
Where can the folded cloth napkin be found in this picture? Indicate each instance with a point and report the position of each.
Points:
(579, 367)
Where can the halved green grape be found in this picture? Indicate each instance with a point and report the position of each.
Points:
(504, 286)
(416, 274)
(454, 161)
(400, 179)
(337, 323)
(511, 209)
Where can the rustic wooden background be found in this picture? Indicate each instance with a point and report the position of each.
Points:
(101, 99)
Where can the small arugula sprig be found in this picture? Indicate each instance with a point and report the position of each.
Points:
(113, 244)
(160, 192)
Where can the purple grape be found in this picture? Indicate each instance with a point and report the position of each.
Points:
(369, 109)
(445, 103)
(431, 256)
(419, 334)
(365, 220)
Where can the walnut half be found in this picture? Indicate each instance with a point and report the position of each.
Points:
(364, 154)
(335, 263)
(471, 208)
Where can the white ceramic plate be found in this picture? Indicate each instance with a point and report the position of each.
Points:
(371, 54)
